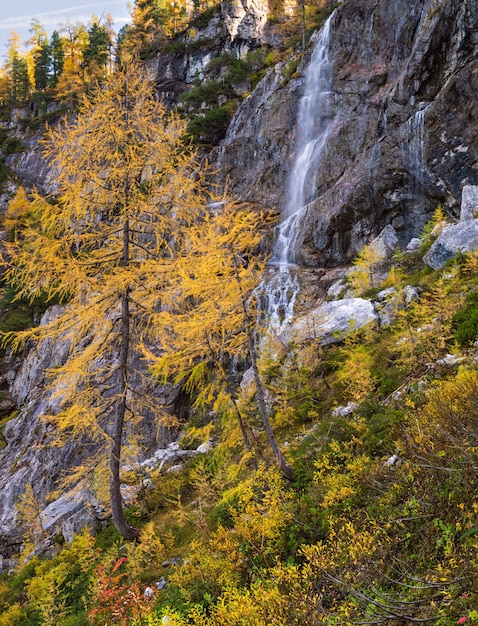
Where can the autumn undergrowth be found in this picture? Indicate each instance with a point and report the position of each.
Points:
(378, 525)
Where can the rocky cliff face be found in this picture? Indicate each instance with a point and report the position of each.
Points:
(237, 27)
(403, 135)
(28, 456)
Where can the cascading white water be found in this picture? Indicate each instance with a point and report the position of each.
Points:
(313, 122)
(415, 157)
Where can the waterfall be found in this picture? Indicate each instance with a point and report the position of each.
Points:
(414, 156)
(276, 295)
(416, 144)
(313, 121)
(313, 124)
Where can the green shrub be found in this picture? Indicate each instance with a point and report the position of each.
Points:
(19, 314)
(80, 619)
(210, 127)
(223, 60)
(12, 145)
(203, 20)
(290, 69)
(199, 44)
(384, 424)
(239, 70)
(465, 321)
(3, 170)
(174, 47)
(207, 93)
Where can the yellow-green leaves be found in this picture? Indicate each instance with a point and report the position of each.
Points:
(361, 277)
(216, 274)
(127, 190)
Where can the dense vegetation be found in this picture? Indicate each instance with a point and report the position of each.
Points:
(378, 525)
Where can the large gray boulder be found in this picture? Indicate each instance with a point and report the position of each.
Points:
(386, 242)
(460, 237)
(70, 513)
(331, 321)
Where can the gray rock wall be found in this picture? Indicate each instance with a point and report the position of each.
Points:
(28, 455)
(404, 131)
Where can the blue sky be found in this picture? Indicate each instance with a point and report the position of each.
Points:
(16, 15)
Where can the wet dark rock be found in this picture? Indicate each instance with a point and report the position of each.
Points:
(403, 137)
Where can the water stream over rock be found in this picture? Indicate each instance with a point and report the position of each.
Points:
(313, 122)
(414, 154)
(281, 287)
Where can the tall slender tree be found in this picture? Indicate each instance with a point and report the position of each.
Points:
(212, 318)
(20, 81)
(127, 189)
(16, 71)
(4, 87)
(96, 54)
(70, 84)
(149, 20)
(57, 53)
(38, 34)
(38, 55)
(42, 62)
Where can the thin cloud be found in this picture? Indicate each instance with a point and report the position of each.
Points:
(51, 18)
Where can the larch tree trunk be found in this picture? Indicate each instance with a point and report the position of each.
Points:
(285, 468)
(116, 500)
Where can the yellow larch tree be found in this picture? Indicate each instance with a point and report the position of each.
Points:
(213, 318)
(147, 29)
(71, 83)
(105, 245)
(361, 277)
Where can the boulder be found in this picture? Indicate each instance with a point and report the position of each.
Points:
(414, 244)
(469, 203)
(386, 242)
(343, 411)
(460, 237)
(68, 514)
(388, 302)
(331, 321)
(337, 288)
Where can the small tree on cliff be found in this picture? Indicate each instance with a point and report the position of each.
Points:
(126, 190)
